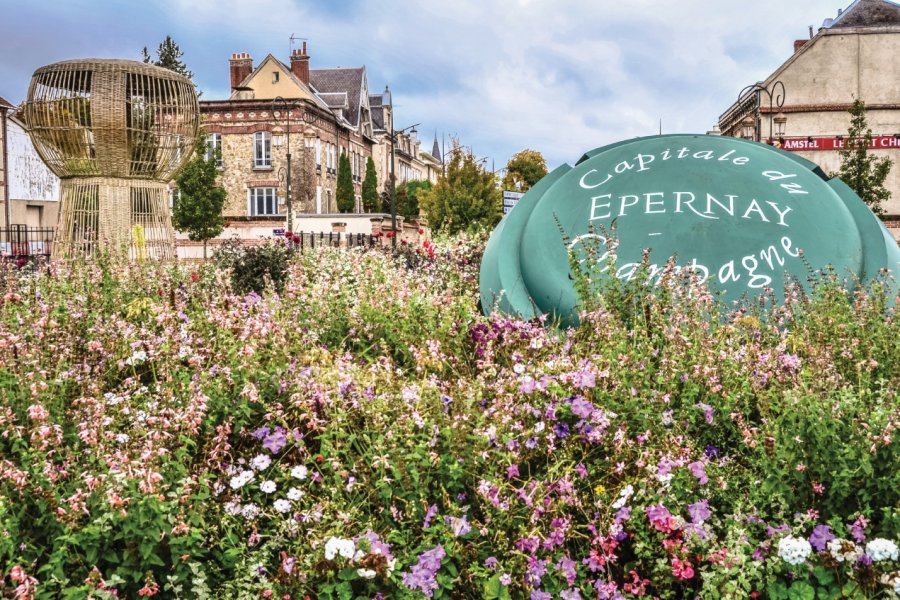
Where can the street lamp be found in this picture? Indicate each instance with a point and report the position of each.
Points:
(776, 96)
(287, 105)
(394, 134)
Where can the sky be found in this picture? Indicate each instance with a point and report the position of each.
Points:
(557, 76)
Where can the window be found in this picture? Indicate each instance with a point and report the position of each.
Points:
(262, 150)
(274, 76)
(214, 148)
(263, 201)
(318, 155)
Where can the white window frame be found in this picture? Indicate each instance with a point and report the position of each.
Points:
(262, 197)
(262, 150)
(213, 143)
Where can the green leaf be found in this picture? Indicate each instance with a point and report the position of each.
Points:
(823, 576)
(801, 590)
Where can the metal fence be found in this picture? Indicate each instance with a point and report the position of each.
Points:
(334, 239)
(22, 241)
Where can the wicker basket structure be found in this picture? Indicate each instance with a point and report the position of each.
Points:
(115, 132)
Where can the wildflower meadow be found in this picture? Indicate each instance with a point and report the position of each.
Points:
(343, 423)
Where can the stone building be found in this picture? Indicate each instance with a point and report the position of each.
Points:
(851, 56)
(29, 191)
(324, 113)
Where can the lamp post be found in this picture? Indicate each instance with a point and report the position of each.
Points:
(776, 96)
(394, 134)
(287, 105)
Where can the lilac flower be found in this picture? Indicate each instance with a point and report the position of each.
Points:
(512, 471)
(772, 531)
(581, 470)
(561, 430)
(581, 407)
(711, 451)
(583, 379)
(571, 594)
(505, 579)
(858, 529)
(821, 535)
(623, 514)
(446, 400)
(421, 576)
(459, 525)
(699, 511)
(762, 551)
(537, 568)
(491, 562)
(429, 515)
(261, 433)
(275, 441)
(698, 470)
(566, 566)
(539, 595)
(708, 412)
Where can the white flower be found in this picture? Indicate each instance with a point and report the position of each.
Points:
(268, 486)
(260, 462)
(136, 358)
(250, 511)
(365, 573)
(281, 505)
(624, 495)
(241, 479)
(122, 438)
(518, 368)
(881, 549)
(844, 550)
(539, 427)
(299, 472)
(232, 508)
(342, 546)
(793, 550)
(294, 494)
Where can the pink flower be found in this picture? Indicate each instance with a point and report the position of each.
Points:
(682, 569)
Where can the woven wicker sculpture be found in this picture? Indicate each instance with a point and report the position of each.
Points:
(116, 132)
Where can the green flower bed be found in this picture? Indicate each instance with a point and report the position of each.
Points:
(363, 432)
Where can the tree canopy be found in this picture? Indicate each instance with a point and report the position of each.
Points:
(346, 202)
(524, 169)
(168, 56)
(864, 173)
(465, 198)
(370, 187)
(199, 203)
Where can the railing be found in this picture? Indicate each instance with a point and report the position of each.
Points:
(334, 239)
(22, 241)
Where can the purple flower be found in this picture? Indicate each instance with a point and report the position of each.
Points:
(698, 470)
(566, 566)
(581, 470)
(561, 430)
(261, 433)
(422, 575)
(708, 412)
(858, 529)
(623, 514)
(583, 379)
(537, 568)
(658, 513)
(512, 471)
(459, 525)
(505, 579)
(429, 515)
(539, 595)
(699, 511)
(491, 562)
(446, 400)
(581, 407)
(821, 535)
(275, 441)
(761, 551)
(711, 451)
(571, 594)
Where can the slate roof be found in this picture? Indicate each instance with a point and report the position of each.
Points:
(436, 150)
(336, 81)
(869, 13)
(335, 99)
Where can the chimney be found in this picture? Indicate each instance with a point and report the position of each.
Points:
(241, 66)
(799, 44)
(300, 64)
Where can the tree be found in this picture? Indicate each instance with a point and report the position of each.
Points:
(524, 169)
(168, 56)
(199, 204)
(370, 187)
(864, 174)
(464, 198)
(344, 193)
(414, 190)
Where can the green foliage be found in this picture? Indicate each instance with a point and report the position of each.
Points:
(863, 172)
(464, 199)
(254, 268)
(370, 187)
(168, 56)
(346, 200)
(413, 190)
(524, 169)
(199, 202)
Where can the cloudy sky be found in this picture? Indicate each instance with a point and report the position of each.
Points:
(558, 76)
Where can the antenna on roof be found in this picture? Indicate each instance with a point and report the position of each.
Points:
(293, 39)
